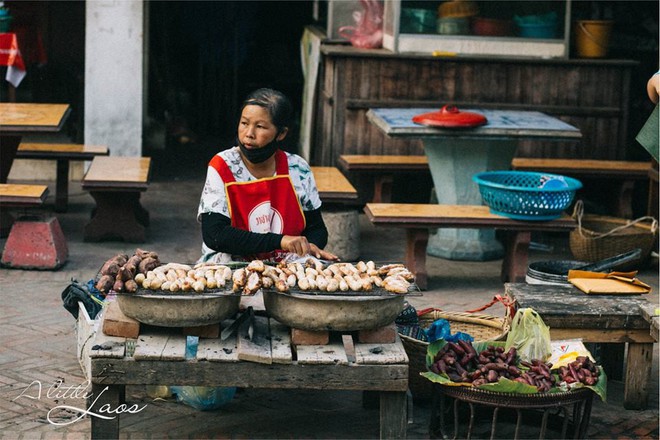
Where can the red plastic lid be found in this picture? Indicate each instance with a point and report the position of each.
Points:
(450, 117)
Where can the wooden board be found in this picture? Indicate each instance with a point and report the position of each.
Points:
(116, 169)
(155, 346)
(472, 216)
(107, 346)
(11, 193)
(322, 354)
(217, 350)
(22, 117)
(256, 349)
(54, 151)
(280, 342)
(586, 167)
(380, 354)
(377, 162)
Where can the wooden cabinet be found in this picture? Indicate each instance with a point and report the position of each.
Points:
(590, 94)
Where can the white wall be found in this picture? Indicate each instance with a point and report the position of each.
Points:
(114, 46)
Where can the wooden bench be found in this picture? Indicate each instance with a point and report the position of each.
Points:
(623, 171)
(382, 168)
(341, 218)
(115, 183)
(62, 153)
(417, 219)
(333, 186)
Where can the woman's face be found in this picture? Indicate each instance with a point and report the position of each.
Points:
(256, 128)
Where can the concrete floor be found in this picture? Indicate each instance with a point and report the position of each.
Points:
(39, 342)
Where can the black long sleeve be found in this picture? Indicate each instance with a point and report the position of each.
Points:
(315, 229)
(219, 235)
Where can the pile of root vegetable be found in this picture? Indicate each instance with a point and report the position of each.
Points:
(144, 270)
(462, 363)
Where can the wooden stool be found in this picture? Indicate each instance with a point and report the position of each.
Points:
(115, 183)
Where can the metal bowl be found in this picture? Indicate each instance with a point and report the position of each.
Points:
(179, 310)
(333, 312)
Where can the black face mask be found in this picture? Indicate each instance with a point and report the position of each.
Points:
(258, 155)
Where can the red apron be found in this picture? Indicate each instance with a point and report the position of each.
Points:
(263, 205)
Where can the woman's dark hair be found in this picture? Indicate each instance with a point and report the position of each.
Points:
(277, 104)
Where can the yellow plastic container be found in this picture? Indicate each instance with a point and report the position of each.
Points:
(592, 38)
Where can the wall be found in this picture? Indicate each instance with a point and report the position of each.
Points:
(114, 75)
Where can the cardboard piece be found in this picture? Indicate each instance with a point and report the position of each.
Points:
(615, 283)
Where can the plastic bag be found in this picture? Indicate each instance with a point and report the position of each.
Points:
(204, 398)
(441, 329)
(201, 398)
(530, 336)
(368, 31)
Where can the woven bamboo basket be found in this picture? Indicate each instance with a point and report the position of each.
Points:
(480, 326)
(598, 237)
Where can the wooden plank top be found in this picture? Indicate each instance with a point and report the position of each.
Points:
(350, 162)
(118, 171)
(21, 195)
(433, 215)
(333, 186)
(22, 117)
(607, 168)
(568, 307)
(57, 151)
(397, 122)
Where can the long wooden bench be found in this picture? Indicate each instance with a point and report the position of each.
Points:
(115, 183)
(417, 219)
(62, 153)
(382, 168)
(622, 171)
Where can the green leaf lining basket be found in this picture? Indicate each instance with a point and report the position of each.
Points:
(481, 327)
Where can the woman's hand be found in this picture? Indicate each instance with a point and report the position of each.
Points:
(296, 244)
(323, 255)
(299, 245)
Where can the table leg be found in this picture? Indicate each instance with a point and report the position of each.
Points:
(393, 416)
(453, 162)
(62, 185)
(416, 244)
(118, 215)
(383, 188)
(108, 396)
(638, 375)
(8, 147)
(514, 265)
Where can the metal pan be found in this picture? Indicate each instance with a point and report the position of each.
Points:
(332, 312)
(189, 310)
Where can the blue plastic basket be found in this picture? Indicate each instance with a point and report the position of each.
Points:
(525, 195)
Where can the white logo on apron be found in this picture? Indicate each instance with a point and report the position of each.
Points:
(264, 218)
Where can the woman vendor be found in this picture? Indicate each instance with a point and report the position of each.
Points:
(258, 201)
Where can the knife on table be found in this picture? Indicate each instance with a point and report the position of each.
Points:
(237, 323)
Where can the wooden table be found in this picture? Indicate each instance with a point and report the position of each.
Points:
(455, 155)
(17, 120)
(571, 314)
(159, 357)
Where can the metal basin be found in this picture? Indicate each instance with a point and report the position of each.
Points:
(332, 312)
(179, 310)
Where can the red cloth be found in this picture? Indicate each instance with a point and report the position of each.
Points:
(10, 56)
(263, 205)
